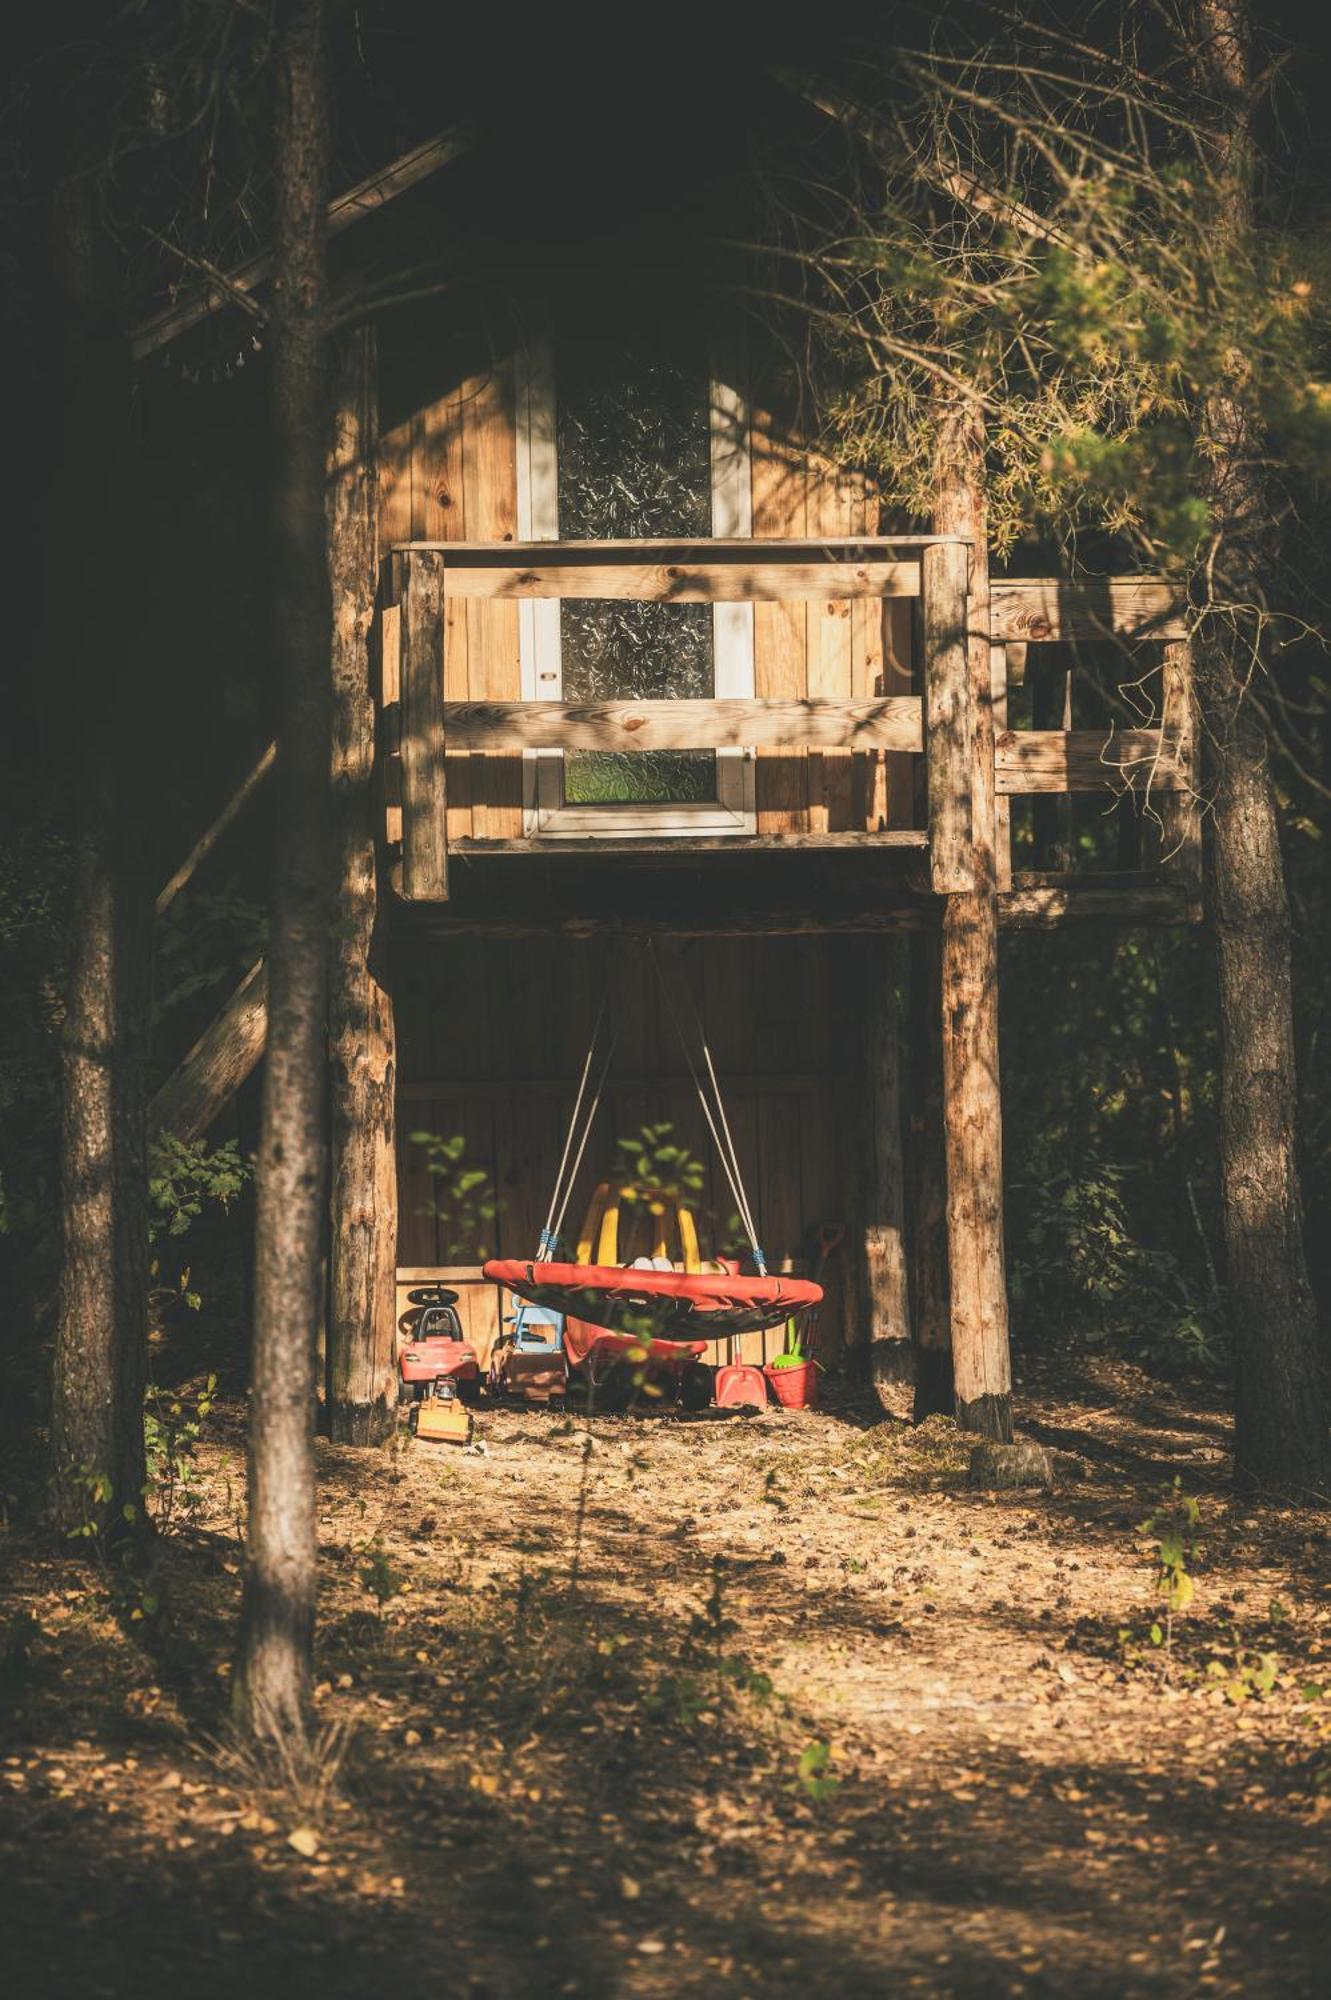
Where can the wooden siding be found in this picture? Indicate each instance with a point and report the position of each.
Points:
(491, 1038)
(448, 473)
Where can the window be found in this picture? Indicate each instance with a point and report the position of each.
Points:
(621, 437)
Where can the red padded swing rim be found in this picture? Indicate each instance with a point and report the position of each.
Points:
(705, 1289)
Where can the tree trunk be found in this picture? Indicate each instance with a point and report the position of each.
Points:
(885, 1300)
(277, 1616)
(931, 1290)
(100, 1350)
(972, 1104)
(362, 1293)
(1280, 1429)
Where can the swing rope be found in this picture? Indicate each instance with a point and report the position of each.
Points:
(722, 1138)
(714, 1112)
(562, 1192)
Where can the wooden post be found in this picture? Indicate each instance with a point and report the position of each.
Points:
(424, 806)
(972, 1104)
(885, 1297)
(1181, 811)
(948, 720)
(931, 1299)
(362, 1267)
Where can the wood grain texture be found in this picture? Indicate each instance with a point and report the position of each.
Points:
(949, 724)
(696, 582)
(226, 1053)
(893, 724)
(360, 1387)
(424, 831)
(494, 671)
(780, 626)
(1124, 607)
(1088, 760)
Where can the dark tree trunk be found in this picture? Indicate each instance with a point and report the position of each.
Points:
(362, 1287)
(1280, 1430)
(885, 1294)
(931, 1302)
(277, 1616)
(100, 1349)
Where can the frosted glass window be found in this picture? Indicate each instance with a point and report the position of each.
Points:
(634, 459)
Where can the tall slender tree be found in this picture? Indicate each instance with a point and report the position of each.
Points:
(100, 1349)
(1281, 1429)
(277, 1618)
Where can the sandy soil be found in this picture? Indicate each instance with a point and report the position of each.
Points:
(722, 1706)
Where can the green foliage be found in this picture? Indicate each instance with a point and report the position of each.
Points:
(1080, 1267)
(380, 1577)
(173, 1423)
(814, 1777)
(658, 1174)
(464, 1203)
(187, 1175)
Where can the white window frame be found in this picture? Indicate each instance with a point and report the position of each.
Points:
(545, 813)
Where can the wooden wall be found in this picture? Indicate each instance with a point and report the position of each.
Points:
(448, 472)
(491, 1039)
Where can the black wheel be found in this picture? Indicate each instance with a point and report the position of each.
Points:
(697, 1386)
(409, 1392)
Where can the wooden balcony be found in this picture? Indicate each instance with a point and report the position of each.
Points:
(432, 742)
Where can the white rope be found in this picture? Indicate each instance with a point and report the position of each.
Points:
(548, 1232)
(725, 1146)
(586, 1134)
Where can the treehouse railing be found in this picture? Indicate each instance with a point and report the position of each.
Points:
(423, 729)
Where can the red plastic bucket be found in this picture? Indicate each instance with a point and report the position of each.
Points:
(794, 1388)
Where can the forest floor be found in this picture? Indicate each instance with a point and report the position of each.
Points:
(712, 1706)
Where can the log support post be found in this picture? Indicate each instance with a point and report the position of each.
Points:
(884, 1289)
(424, 806)
(948, 718)
(931, 1300)
(360, 1354)
(972, 1104)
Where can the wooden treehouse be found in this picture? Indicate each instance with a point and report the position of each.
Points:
(638, 699)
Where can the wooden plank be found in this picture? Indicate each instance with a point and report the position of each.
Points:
(439, 512)
(686, 582)
(506, 552)
(1122, 607)
(948, 720)
(884, 723)
(366, 198)
(832, 496)
(395, 486)
(673, 845)
(494, 671)
(1088, 760)
(780, 626)
(223, 1057)
(1048, 908)
(424, 803)
(204, 845)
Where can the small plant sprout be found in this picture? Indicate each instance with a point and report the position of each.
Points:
(813, 1775)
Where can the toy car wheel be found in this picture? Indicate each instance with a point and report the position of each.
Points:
(409, 1392)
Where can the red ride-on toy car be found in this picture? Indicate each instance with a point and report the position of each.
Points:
(437, 1351)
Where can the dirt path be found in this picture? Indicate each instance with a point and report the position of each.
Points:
(715, 1707)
